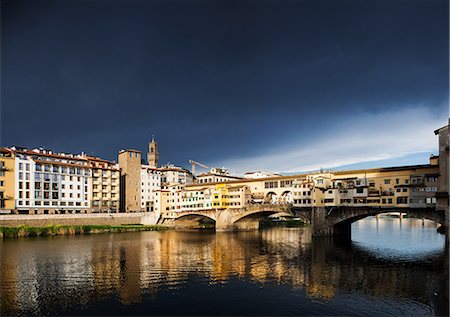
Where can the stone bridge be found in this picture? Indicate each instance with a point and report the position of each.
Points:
(229, 219)
(338, 220)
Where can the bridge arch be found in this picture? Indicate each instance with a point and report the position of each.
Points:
(193, 219)
(339, 220)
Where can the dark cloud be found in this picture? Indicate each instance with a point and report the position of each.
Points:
(212, 79)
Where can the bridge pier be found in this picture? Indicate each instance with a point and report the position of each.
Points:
(319, 224)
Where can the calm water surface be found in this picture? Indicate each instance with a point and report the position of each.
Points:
(389, 268)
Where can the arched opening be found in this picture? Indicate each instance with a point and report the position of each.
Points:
(271, 198)
(287, 197)
(194, 221)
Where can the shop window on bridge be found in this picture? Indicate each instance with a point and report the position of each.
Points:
(402, 200)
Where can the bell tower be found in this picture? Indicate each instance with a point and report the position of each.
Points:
(153, 155)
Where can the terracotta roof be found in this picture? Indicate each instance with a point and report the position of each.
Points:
(66, 157)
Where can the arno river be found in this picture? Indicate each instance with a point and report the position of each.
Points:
(390, 267)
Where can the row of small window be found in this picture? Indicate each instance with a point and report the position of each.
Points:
(104, 187)
(232, 204)
(388, 181)
(428, 200)
(302, 193)
(301, 186)
(104, 195)
(47, 195)
(425, 189)
(302, 201)
(51, 203)
(55, 178)
(61, 169)
(231, 196)
(105, 173)
(400, 200)
(104, 203)
(151, 177)
(152, 184)
(273, 184)
(105, 180)
(148, 202)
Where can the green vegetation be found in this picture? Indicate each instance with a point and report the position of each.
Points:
(51, 230)
(290, 223)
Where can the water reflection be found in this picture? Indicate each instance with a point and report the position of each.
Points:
(156, 272)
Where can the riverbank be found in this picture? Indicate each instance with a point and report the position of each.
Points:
(53, 230)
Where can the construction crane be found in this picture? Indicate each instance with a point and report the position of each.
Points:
(196, 163)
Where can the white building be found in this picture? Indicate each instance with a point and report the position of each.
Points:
(259, 174)
(150, 188)
(172, 174)
(216, 175)
(51, 183)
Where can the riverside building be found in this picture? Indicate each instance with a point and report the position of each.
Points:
(40, 181)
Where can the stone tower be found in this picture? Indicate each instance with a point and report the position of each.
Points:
(130, 180)
(153, 155)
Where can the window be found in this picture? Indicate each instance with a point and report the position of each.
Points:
(20, 166)
(360, 190)
(20, 175)
(405, 190)
(2, 183)
(387, 181)
(38, 167)
(402, 200)
(271, 184)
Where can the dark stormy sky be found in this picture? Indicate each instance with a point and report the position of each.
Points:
(273, 85)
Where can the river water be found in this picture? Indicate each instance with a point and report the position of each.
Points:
(390, 267)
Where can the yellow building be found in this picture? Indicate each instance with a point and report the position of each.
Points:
(105, 185)
(7, 180)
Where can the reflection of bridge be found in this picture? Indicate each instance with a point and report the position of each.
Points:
(229, 219)
(324, 220)
(338, 220)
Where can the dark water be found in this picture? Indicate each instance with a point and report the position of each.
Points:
(388, 269)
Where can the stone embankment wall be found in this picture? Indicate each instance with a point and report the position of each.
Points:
(76, 220)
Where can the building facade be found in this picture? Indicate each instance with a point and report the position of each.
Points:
(105, 185)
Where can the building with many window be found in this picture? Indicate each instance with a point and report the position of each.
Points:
(105, 185)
